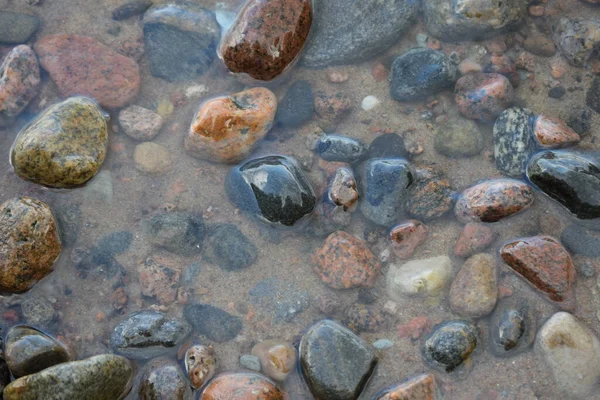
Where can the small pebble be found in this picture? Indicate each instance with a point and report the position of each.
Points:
(251, 362)
(382, 344)
(369, 103)
(557, 92)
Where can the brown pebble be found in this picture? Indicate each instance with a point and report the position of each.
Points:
(406, 237)
(472, 239)
(336, 76)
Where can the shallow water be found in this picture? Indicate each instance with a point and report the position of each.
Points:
(85, 316)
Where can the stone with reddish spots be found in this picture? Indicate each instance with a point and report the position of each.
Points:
(362, 318)
(159, 279)
(406, 237)
(546, 265)
(431, 195)
(80, 65)
(474, 291)
(345, 262)
(242, 386)
(483, 96)
(227, 128)
(19, 82)
(493, 200)
(266, 37)
(501, 64)
(421, 387)
(331, 107)
(414, 328)
(343, 191)
(552, 133)
(472, 239)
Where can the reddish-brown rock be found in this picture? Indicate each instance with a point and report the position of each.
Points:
(492, 200)
(343, 190)
(406, 237)
(80, 65)
(225, 129)
(331, 107)
(158, 279)
(345, 262)
(19, 81)
(483, 96)
(421, 387)
(472, 239)
(552, 133)
(266, 37)
(362, 318)
(546, 265)
(29, 243)
(241, 386)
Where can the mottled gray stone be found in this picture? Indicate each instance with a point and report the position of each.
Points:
(162, 379)
(513, 144)
(576, 39)
(16, 27)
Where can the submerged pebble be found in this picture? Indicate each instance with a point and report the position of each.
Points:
(214, 323)
(297, 106)
(17, 27)
(450, 345)
(420, 387)
(483, 96)
(242, 386)
(140, 123)
(200, 364)
(19, 82)
(277, 358)
(431, 195)
(576, 39)
(474, 290)
(162, 379)
(512, 328)
(406, 237)
(178, 232)
(426, 278)
(513, 140)
(340, 148)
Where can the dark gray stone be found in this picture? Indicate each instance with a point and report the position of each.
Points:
(557, 92)
(111, 245)
(580, 120)
(38, 311)
(162, 379)
(181, 40)
(385, 184)
(28, 350)
(457, 20)
(17, 28)
(230, 248)
(212, 322)
(190, 273)
(297, 106)
(388, 145)
(593, 96)
(130, 9)
(335, 362)
(272, 188)
(340, 148)
(581, 240)
(349, 31)
(69, 219)
(576, 39)
(283, 301)
(449, 345)
(571, 179)
(513, 143)
(420, 73)
(178, 232)
(512, 328)
(148, 334)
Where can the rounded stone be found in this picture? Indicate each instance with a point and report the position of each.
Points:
(29, 243)
(493, 200)
(343, 191)
(539, 45)
(19, 82)
(297, 106)
(512, 328)
(420, 387)
(226, 129)
(406, 237)
(580, 120)
(582, 241)
(425, 278)
(449, 345)
(28, 350)
(102, 377)
(592, 98)
(551, 133)
(459, 138)
(272, 188)
(361, 318)
(483, 96)
(266, 37)
(178, 232)
(388, 145)
(230, 248)
(200, 364)
(474, 291)
(345, 262)
(340, 148)
(472, 19)
(277, 358)
(64, 146)
(571, 179)
(17, 27)
(431, 195)
(214, 323)
(419, 73)
(152, 158)
(140, 123)
(80, 65)
(242, 386)
(577, 39)
(513, 140)
(162, 379)
(473, 239)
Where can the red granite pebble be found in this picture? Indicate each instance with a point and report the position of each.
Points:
(473, 239)
(421, 387)
(345, 262)
(551, 133)
(483, 96)
(545, 264)
(406, 237)
(241, 386)
(19, 82)
(414, 328)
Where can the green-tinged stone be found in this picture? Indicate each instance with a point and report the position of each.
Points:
(64, 146)
(103, 377)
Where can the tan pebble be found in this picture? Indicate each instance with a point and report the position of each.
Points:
(277, 358)
(467, 66)
(537, 10)
(152, 158)
(336, 76)
(200, 364)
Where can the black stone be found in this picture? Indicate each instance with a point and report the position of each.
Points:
(366, 296)
(350, 31)
(557, 92)
(163, 379)
(449, 345)
(580, 120)
(340, 148)
(593, 96)
(231, 249)
(335, 362)
(571, 179)
(388, 145)
(297, 106)
(178, 232)
(512, 328)
(148, 334)
(212, 322)
(420, 73)
(581, 240)
(174, 51)
(111, 245)
(131, 8)
(273, 188)
(385, 184)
